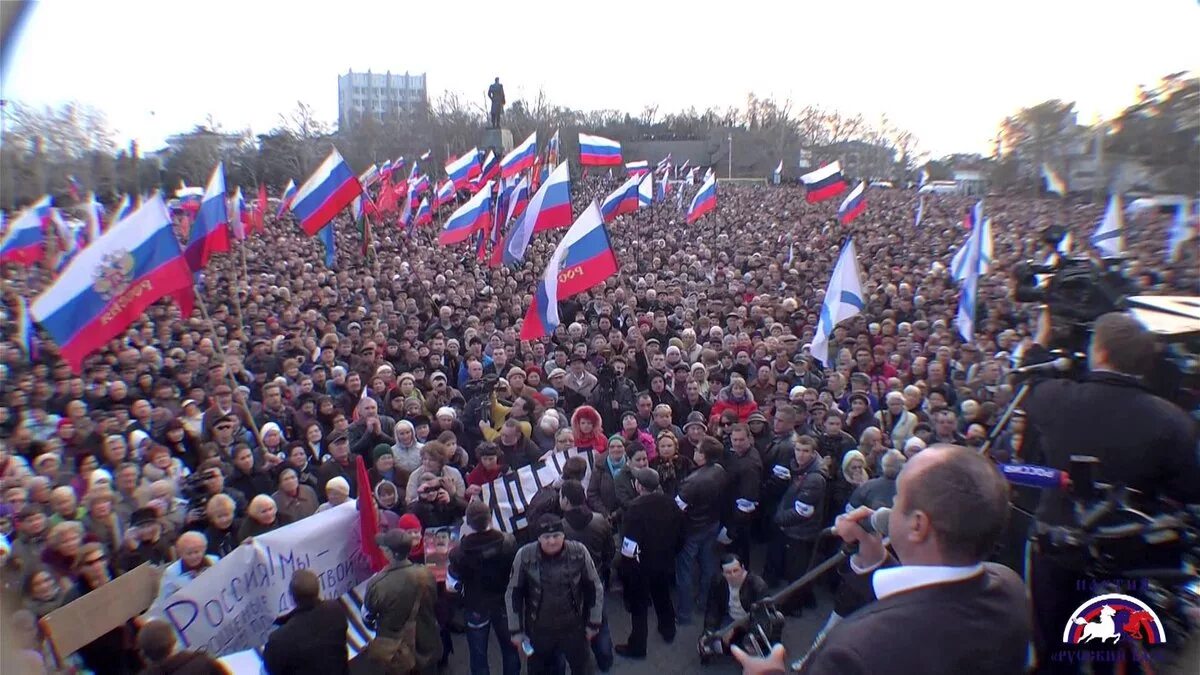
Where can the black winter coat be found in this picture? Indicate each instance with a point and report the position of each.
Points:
(481, 563)
(308, 641)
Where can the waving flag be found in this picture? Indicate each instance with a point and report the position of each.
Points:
(705, 199)
(520, 158)
(621, 201)
(110, 283)
(1053, 182)
(924, 178)
(471, 217)
(645, 191)
(419, 184)
(598, 151)
(424, 155)
(960, 264)
(210, 230)
(548, 209)
(582, 260)
(854, 204)
(964, 320)
(518, 200)
(237, 215)
(824, 183)
(328, 190)
(664, 165)
(93, 217)
(260, 209)
(843, 299)
(464, 169)
(424, 214)
(25, 241)
(1109, 235)
(125, 206)
(370, 176)
(1182, 231)
(552, 150)
(490, 170)
(26, 334)
(691, 176)
(920, 211)
(289, 193)
(638, 168)
(777, 174)
(444, 195)
(74, 188)
(412, 172)
(326, 235)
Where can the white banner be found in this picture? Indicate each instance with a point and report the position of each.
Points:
(230, 608)
(509, 495)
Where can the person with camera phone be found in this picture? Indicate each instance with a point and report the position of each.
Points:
(1139, 441)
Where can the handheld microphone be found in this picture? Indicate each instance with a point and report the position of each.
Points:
(1031, 475)
(1062, 364)
(876, 524)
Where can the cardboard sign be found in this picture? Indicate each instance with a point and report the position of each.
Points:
(78, 623)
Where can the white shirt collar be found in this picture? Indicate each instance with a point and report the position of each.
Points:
(892, 580)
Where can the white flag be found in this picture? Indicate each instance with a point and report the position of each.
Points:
(1109, 235)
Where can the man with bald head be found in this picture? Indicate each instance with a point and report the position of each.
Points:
(937, 606)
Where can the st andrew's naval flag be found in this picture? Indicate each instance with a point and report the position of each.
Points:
(110, 283)
(843, 299)
(583, 259)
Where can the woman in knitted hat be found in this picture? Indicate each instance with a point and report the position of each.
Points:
(383, 466)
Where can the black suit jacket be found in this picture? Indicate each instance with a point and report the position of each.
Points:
(980, 626)
(309, 641)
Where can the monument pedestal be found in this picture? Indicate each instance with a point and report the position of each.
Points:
(498, 140)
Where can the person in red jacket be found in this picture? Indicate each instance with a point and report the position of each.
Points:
(587, 429)
(735, 397)
(489, 468)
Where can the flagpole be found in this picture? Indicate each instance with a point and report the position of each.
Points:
(234, 285)
(730, 154)
(220, 349)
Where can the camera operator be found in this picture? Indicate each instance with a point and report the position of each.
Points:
(1141, 441)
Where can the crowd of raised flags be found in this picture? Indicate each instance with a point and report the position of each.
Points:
(509, 200)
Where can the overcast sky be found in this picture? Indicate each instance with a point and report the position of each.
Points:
(948, 71)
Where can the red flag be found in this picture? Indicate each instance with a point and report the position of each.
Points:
(368, 518)
(261, 207)
(386, 202)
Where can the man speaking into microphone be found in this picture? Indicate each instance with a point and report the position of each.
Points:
(939, 608)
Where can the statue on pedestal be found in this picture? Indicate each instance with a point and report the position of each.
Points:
(496, 95)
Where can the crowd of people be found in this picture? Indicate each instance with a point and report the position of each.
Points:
(687, 376)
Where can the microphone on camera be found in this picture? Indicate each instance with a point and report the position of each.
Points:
(1061, 365)
(877, 523)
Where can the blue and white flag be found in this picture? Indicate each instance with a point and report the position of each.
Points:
(1181, 231)
(959, 265)
(973, 263)
(1109, 234)
(920, 211)
(843, 299)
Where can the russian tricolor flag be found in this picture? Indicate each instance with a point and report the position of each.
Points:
(474, 215)
(445, 194)
(520, 158)
(621, 201)
(598, 151)
(638, 168)
(419, 184)
(824, 183)
(210, 229)
(854, 204)
(24, 243)
(582, 260)
(550, 208)
(289, 193)
(705, 199)
(330, 189)
(111, 282)
(490, 170)
(424, 213)
(464, 169)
